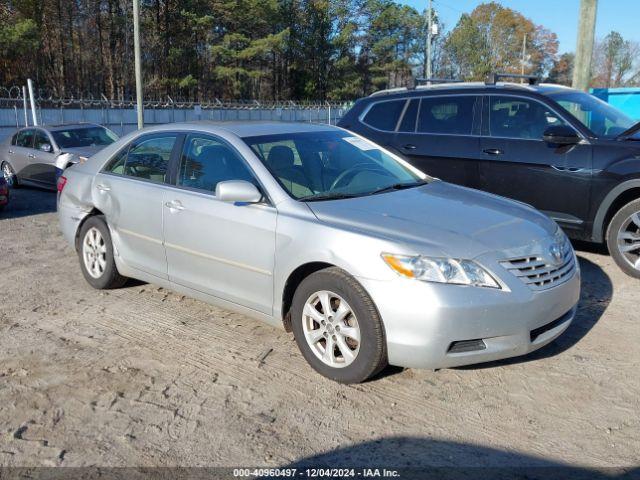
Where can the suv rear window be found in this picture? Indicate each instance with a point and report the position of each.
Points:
(448, 115)
(384, 115)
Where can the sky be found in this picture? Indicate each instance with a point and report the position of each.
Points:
(559, 16)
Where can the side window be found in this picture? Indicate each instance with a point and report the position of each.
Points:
(522, 118)
(408, 123)
(446, 115)
(25, 138)
(147, 158)
(384, 115)
(14, 140)
(206, 161)
(41, 138)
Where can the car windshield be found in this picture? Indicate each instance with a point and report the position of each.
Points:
(601, 118)
(314, 166)
(83, 137)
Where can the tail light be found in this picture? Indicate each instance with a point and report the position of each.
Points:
(62, 181)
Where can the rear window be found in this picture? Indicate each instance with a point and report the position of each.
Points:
(84, 137)
(384, 115)
(446, 115)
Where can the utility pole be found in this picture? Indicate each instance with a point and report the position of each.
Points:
(138, 62)
(32, 100)
(584, 47)
(524, 53)
(427, 68)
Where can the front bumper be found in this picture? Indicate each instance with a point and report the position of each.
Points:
(430, 325)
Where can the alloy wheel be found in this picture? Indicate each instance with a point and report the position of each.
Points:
(629, 240)
(8, 174)
(94, 253)
(331, 329)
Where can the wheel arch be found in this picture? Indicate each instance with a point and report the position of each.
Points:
(294, 279)
(614, 201)
(94, 212)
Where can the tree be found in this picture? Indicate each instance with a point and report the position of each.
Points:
(615, 62)
(562, 70)
(489, 39)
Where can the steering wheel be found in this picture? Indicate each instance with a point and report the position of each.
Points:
(351, 172)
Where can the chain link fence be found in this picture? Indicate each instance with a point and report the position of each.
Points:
(119, 115)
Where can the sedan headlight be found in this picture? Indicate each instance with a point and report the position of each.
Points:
(440, 270)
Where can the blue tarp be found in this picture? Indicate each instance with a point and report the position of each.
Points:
(626, 99)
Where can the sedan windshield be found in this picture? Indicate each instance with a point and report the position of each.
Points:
(83, 137)
(314, 166)
(599, 117)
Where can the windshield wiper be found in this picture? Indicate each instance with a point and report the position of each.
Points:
(397, 186)
(327, 196)
(629, 131)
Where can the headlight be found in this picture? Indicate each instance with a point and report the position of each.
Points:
(440, 270)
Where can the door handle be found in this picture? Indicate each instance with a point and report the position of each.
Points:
(10, 152)
(31, 155)
(175, 205)
(568, 169)
(103, 188)
(409, 146)
(492, 151)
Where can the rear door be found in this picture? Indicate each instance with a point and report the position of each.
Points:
(216, 247)
(440, 136)
(517, 163)
(22, 153)
(129, 192)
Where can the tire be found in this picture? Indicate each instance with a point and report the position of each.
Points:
(99, 270)
(365, 357)
(623, 234)
(10, 175)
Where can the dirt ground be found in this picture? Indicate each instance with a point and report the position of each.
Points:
(142, 376)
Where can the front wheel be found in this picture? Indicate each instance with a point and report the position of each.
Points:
(337, 327)
(9, 175)
(96, 255)
(623, 238)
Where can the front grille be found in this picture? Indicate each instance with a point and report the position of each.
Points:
(541, 274)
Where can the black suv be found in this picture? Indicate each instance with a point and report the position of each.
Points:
(561, 150)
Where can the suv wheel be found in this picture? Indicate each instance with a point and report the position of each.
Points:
(96, 255)
(9, 175)
(337, 327)
(623, 238)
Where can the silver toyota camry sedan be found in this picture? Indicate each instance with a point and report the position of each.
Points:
(319, 231)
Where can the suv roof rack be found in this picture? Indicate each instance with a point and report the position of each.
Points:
(427, 81)
(495, 77)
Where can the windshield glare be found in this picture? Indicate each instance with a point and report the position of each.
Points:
(332, 164)
(598, 116)
(83, 137)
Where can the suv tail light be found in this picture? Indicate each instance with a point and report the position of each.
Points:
(62, 181)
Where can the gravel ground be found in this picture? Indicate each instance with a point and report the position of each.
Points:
(142, 376)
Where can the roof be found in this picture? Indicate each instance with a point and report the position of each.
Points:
(461, 86)
(245, 129)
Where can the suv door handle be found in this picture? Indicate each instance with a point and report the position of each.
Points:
(492, 151)
(103, 188)
(409, 146)
(175, 205)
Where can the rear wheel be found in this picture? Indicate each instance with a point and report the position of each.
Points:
(623, 238)
(337, 327)
(9, 175)
(96, 255)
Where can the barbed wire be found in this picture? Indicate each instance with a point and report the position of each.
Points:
(12, 96)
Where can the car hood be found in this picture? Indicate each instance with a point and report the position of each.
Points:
(441, 219)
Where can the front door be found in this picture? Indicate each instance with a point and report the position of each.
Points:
(215, 247)
(129, 192)
(517, 163)
(42, 165)
(440, 136)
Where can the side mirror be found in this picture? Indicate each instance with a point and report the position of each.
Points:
(46, 147)
(561, 135)
(233, 191)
